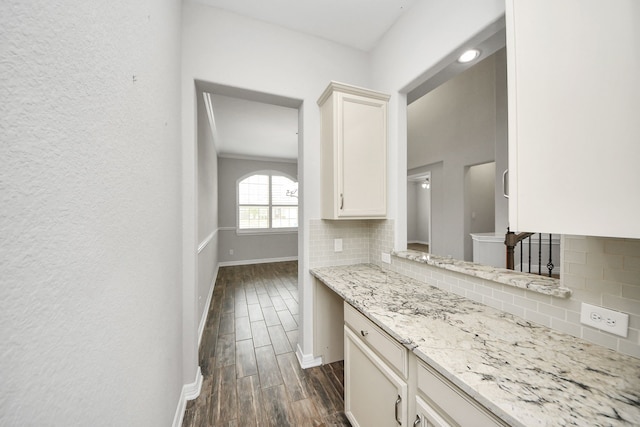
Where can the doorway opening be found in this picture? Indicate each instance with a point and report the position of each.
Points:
(419, 212)
(479, 203)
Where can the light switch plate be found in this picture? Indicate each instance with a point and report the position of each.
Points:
(604, 319)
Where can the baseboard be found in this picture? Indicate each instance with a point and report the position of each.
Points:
(189, 392)
(205, 314)
(257, 261)
(307, 360)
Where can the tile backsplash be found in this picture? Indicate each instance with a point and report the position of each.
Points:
(605, 272)
(355, 235)
(600, 271)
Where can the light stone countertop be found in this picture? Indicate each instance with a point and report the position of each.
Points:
(526, 374)
(541, 284)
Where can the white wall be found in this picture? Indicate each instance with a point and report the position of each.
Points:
(480, 208)
(90, 313)
(418, 213)
(227, 49)
(250, 247)
(424, 213)
(481, 195)
(455, 124)
(412, 211)
(207, 211)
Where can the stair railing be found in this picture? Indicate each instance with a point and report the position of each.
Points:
(512, 240)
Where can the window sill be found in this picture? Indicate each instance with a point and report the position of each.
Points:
(263, 232)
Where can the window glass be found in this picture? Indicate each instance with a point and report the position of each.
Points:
(254, 190)
(267, 201)
(284, 216)
(284, 191)
(254, 217)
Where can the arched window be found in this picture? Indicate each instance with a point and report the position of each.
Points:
(267, 201)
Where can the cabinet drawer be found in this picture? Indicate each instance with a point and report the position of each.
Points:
(379, 341)
(452, 401)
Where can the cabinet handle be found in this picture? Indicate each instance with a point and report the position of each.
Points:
(398, 400)
(364, 333)
(504, 183)
(341, 201)
(417, 421)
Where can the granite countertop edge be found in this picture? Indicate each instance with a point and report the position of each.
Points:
(540, 284)
(372, 308)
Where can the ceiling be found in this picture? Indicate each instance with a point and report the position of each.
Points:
(250, 129)
(355, 23)
(249, 126)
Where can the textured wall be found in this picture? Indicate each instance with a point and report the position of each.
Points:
(90, 313)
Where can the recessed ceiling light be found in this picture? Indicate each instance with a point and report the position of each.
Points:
(469, 55)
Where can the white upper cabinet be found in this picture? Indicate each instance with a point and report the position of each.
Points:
(354, 152)
(574, 116)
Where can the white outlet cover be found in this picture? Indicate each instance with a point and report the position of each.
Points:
(386, 258)
(604, 319)
(337, 245)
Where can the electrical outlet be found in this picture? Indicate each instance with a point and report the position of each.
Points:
(230, 251)
(386, 258)
(604, 319)
(337, 245)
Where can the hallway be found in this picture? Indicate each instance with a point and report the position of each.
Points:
(247, 356)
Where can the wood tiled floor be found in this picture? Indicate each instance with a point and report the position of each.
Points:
(418, 247)
(251, 374)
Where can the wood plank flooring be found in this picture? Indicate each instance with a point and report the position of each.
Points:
(247, 355)
(418, 247)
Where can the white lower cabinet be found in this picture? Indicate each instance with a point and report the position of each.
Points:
(387, 386)
(442, 404)
(426, 416)
(375, 374)
(374, 394)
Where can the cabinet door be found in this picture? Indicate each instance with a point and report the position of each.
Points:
(427, 416)
(374, 394)
(451, 403)
(574, 109)
(362, 154)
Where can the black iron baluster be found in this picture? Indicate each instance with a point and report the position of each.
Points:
(529, 240)
(540, 254)
(550, 263)
(521, 258)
